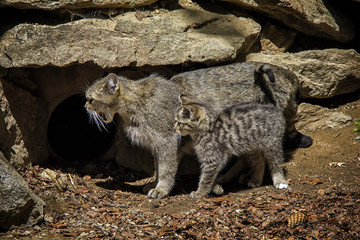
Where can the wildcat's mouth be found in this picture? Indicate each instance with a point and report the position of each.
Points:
(102, 115)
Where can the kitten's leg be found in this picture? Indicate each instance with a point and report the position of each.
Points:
(210, 168)
(274, 158)
(167, 168)
(257, 170)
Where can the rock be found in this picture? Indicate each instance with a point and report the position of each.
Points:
(311, 17)
(164, 38)
(71, 4)
(276, 38)
(311, 118)
(22, 126)
(322, 73)
(358, 138)
(189, 4)
(18, 204)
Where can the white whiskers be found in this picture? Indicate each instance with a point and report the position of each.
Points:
(179, 139)
(84, 86)
(94, 117)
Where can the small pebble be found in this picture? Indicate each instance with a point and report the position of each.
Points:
(26, 233)
(358, 138)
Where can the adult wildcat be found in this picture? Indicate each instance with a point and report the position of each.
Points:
(147, 107)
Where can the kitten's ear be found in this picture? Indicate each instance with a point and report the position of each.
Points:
(186, 112)
(112, 83)
(184, 100)
(198, 113)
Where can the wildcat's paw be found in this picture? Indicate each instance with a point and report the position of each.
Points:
(148, 187)
(243, 179)
(197, 194)
(224, 178)
(281, 185)
(252, 183)
(217, 189)
(157, 193)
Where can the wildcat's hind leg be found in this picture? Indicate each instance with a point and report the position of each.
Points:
(240, 166)
(257, 170)
(294, 139)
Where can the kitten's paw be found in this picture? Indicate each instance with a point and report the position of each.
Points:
(157, 193)
(281, 185)
(217, 189)
(196, 194)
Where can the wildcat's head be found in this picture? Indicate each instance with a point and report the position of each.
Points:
(191, 117)
(101, 98)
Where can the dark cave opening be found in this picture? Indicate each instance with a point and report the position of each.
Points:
(72, 136)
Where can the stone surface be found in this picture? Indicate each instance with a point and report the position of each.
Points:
(312, 118)
(311, 17)
(22, 126)
(18, 204)
(162, 38)
(55, 4)
(276, 38)
(322, 73)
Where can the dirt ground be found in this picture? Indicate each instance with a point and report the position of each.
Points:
(323, 202)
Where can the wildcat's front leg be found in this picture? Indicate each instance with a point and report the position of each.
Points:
(167, 157)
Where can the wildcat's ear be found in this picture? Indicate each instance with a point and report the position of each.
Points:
(184, 100)
(112, 83)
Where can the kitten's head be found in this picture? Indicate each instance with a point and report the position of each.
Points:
(191, 117)
(101, 98)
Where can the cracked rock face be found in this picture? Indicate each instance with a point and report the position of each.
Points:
(165, 38)
(55, 4)
(21, 118)
(312, 118)
(311, 17)
(322, 73)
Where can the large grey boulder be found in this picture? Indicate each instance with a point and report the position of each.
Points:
(311, 17)
(162, 38)
(322, 73)
(55, 4)
(18, 203)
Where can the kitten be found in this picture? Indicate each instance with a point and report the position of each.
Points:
(239, 129)
(147, 107)
(242, 166)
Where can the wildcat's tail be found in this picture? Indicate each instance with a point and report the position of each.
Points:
(261, 81)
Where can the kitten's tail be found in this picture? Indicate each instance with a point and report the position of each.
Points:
(260, 80)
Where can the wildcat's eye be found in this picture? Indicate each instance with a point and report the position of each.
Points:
(90, 100)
